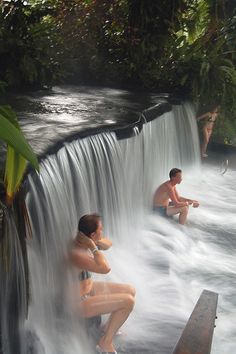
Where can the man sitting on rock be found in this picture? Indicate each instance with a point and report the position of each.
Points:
(167, 192)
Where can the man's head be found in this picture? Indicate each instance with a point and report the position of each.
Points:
(175, 175)
(91, 226)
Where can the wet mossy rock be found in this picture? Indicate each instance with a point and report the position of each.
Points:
(156, 111)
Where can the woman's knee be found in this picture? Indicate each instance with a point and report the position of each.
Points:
(131, 290)
(84, 311)
(129, 302)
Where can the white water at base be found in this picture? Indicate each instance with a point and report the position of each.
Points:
(168, 264)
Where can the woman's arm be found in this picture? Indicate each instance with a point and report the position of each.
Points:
(95, 264)
(81, 259)
(205, 115)
(104, 244)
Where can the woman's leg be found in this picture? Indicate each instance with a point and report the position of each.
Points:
(209, 134)
(119, 305)
(206, 136)
(102, 288)
(116, 320)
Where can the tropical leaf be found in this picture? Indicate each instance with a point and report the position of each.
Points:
(14, 171)
(15, 138)
(8, 113)
(18, 152)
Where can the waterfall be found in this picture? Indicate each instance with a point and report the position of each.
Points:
(13, 293)
(169, 265)
(115, 178)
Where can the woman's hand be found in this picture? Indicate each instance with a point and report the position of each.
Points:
(85, 242)
(104, 244)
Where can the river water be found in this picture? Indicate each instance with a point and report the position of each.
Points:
(49, 117)
(168, 264)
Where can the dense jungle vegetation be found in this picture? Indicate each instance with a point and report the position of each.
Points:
(184, 47)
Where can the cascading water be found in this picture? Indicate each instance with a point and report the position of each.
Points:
(169, 265)
(13, 285)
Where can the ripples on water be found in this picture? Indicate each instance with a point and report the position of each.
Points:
(47, 118)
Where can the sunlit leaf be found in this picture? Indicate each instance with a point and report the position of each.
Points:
(14, 171)
(14, 137)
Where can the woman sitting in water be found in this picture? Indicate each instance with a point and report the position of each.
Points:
(98, 298)
(210, 118)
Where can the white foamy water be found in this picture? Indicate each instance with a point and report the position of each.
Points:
(169, 265)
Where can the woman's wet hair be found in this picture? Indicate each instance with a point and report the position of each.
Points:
(173, 172)
(215, 108)
(209, 108)
(88, 223)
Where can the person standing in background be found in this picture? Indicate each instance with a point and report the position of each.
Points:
(209, 121)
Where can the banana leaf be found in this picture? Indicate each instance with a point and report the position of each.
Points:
(18, 152)
(15, 138)
(10, 115)
(14, 171)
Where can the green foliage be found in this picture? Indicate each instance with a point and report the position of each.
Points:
(18, 153)
(95, 39)
(29, 44)
(186, 47)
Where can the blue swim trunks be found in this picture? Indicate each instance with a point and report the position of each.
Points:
(161, 210)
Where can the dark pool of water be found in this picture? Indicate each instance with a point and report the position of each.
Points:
(48, 117)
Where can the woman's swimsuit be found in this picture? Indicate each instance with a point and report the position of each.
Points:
(211, 120)
(85, 274)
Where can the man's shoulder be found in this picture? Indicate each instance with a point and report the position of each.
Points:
(160, 187)
(167, 184)
(164, 187)
(169, 187)
(164, 183)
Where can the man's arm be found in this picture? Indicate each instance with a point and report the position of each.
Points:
(193, 202)
(174, 197)
(182, 199)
